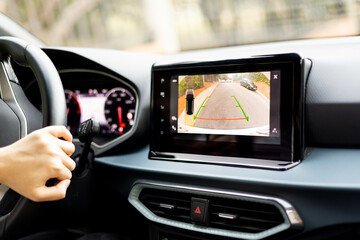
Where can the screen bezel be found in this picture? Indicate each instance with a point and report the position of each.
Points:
(163, 141)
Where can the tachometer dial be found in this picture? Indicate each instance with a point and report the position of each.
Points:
(73, 112)
(120, 110)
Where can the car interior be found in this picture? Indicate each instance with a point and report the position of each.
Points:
(255, 141)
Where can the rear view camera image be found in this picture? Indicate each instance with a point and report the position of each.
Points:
(233, 104)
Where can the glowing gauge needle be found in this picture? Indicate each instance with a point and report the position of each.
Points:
(121, 124)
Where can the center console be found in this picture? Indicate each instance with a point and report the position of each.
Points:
(235, 112)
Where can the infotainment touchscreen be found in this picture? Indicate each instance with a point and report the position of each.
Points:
(226, 103)
(227, 111)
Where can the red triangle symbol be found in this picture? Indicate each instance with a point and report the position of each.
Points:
(197, 210)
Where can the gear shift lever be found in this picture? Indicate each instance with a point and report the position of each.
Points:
(87, 131)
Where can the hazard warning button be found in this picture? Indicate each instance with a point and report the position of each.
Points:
(199, 210)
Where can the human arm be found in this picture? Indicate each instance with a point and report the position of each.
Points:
(26, 165)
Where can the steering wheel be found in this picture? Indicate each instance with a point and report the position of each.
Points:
(17, 116)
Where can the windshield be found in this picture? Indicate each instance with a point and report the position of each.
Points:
(168, 26)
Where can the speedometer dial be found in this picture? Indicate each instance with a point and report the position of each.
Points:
(120, 110)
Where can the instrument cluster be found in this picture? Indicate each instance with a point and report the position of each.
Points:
(111, 103)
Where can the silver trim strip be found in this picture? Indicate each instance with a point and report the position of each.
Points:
(8, 95)
(291, 217)
(227, 216)
(224, 160)
(166, 206)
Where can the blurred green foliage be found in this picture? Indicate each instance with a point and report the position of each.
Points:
(259, 77)
(254, 77)
(168, 26)
(190, 82)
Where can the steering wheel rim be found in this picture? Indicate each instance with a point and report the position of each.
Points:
(51, 89)
(53, 111)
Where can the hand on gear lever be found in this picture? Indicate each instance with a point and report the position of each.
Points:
(87, 131)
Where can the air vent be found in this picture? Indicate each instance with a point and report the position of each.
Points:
(243, 216)
(167, 204)
(230, 214)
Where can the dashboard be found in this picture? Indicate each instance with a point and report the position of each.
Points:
(317, 195)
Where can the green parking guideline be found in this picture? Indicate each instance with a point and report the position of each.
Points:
(246, 117)
(202, 105)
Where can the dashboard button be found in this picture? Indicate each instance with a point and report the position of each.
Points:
(199, 210)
